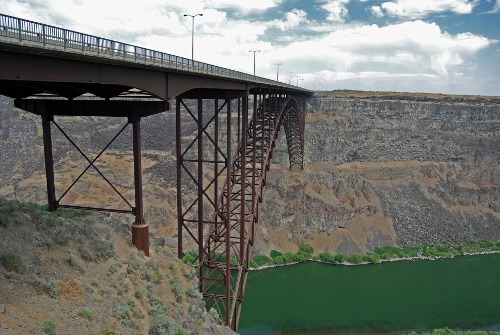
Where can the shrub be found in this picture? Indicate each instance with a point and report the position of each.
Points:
(152, 265)
(7, 210)
(355, 259)
(189, 258)
(177, 289)
(73, 261)
(88, 221)
(300, 257)
(154, 276)
(371, 258)
(86, 314)
(262, 260)
(430, 252)
(215, 315)
(339, 258)
(99, 250)
(71, 213)
(193, 292)
(157, 308)
(389, 250)
(164, 326)
(61, 239)
(288, 257)
(44, 219)
(306, 250)
(13, 262)
(125, 312)
(275, 253)
(280, 260)
(150, 287)
(327, 257)
(122, 287)
(161, 324)
(133, 264)
(139, 293)
(189, 272)
(51, 286)
(49, 327)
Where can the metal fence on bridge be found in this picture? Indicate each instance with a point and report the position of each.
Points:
(29, 33)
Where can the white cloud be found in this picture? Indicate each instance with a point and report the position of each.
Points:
(401, 53)
(292, 19)
(422, 8)
(496, 7)
(376, 11)
(243, 6)
(336, 9)
(334, 53)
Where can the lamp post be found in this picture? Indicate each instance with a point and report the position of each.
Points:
(192, 34)
(254, 51)
(302, 82)
(290, 76)
(297, 80)
(278, 71)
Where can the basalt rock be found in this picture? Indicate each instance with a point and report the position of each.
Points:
(391, 169)
(380, 168)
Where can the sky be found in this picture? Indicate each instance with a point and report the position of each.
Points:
(436, 46)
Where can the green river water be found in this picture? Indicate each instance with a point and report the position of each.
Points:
(314, 298)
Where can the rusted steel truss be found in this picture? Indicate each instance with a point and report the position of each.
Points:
(50, 108)
(222, 168)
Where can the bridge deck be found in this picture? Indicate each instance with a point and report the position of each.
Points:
(17, 34)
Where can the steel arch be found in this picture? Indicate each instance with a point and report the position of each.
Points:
(224, 239)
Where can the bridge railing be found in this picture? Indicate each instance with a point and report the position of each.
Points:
(20, 31)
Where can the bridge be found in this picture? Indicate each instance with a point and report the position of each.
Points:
(221, 169)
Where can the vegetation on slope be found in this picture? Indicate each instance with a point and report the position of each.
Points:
(76, 272)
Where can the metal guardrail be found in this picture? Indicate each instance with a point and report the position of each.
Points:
(20, 31)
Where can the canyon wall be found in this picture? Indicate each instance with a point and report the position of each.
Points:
(379, 169)
(388, 169)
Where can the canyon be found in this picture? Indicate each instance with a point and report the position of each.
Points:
(379, 168)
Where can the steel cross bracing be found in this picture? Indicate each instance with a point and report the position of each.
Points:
(51, 71)
(222, 169)
(50, 108)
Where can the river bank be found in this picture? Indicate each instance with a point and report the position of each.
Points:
(380, 255)
(368, 263)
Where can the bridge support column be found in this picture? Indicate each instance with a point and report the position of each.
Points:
(133, 111)
(217, 218)
(49, 160)
(140, 228)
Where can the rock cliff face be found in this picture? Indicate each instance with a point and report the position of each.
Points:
(388, 169)
(380, 169)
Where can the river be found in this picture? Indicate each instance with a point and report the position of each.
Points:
(315, 298)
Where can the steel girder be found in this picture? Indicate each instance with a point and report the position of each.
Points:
(49, 108)
(222, 168)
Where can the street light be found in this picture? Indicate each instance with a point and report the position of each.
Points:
(290, 76)
(254, 51)
(192, 35)
(297, 80)
(302, 82)
(278, 71)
